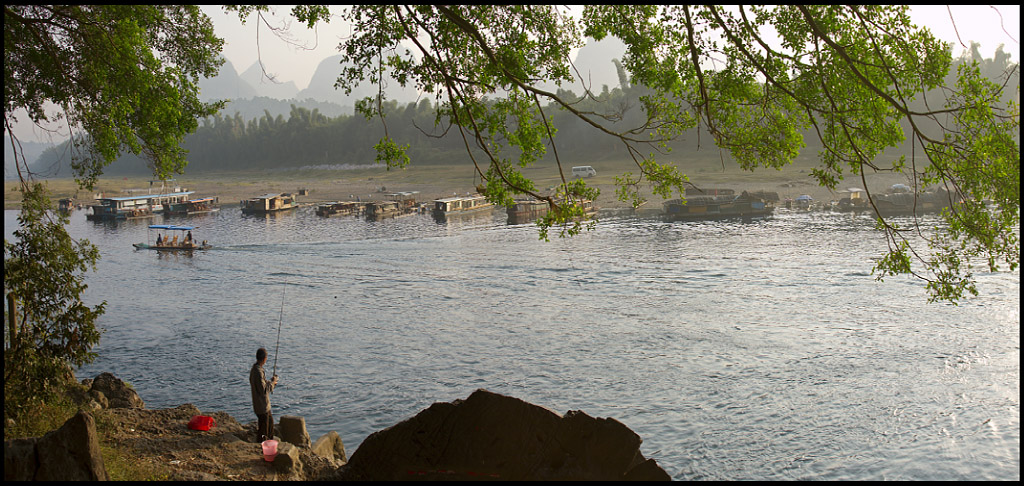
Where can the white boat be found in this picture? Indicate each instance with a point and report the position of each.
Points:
(127, 207)
(269, 203)
(457, 205)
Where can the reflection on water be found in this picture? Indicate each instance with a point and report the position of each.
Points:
(761, 350)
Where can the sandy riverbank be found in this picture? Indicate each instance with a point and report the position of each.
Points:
(433, 182)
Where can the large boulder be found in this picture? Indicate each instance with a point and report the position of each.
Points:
(331, 447)
(117, 392)
(70, 453)
(492, 436)
(20, 459)
(288, 459)
(293, 429)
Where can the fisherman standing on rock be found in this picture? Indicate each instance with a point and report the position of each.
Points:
(261, 389)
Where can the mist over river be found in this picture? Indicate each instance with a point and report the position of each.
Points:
(738, 351)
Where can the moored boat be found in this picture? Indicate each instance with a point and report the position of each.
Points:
(909, 203)
(130, 207)
(398, 204)
(66, 205)
(852, 200)
(712, 207)
(268, 203)
(192, 206)
(339, 208)
(460, 205)
(526, 211)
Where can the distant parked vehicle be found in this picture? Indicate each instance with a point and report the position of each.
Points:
(583, 171)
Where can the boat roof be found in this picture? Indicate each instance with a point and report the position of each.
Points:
(457, 198)
(201, 199)
(171, 227)
(144, 196)
(271, 195)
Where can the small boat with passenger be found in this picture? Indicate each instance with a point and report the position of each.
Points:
(181, 241)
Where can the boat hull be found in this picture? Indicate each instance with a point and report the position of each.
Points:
(145, 246)
(712, 208)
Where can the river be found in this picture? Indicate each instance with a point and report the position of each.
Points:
(737, 351)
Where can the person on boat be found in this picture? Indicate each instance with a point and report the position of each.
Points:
(158, 239)
(189, 237)
(261, 388)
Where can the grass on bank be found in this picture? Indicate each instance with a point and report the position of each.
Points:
(121, 463)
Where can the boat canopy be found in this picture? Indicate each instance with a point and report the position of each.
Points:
(171, 227)
(144, 196)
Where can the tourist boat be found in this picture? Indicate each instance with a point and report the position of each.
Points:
(158, 203)
(803, 201)
(589, 209)
(908, 203)
(182, 241)
(398, 204)
(192, 206)
(406, 201)
(336, 208)
(66, 205)
(380, 210)
(130, 207)
(527, 211)
(722, 206)
(268, 203)
(460, 205)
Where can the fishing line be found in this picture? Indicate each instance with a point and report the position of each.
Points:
(279, 321)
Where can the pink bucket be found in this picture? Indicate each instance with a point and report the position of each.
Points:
(269, 450)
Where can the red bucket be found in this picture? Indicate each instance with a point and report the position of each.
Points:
(201, 422)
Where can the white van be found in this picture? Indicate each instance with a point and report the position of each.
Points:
(583, 171)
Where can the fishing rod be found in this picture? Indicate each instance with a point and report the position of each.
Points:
(279, 321)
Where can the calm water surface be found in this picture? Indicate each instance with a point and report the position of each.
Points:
(763, 350)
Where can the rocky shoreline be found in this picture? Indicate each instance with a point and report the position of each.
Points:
(485, 436)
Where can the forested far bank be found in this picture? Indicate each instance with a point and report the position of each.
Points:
(316, 133)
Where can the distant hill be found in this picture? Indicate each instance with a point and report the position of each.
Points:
(32, 151)
(594, 65)
(256, 78)
(225, 85)
(321, 86)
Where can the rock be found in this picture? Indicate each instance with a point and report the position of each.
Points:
(20, 459)
(492, 436)
(293, 430)
(119, 394)
(70, 453)
(647, 470)
(330, 446)
(288, 459)
(191, 476)
(98, 397)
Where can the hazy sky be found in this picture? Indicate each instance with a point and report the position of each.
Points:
(980, 23)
